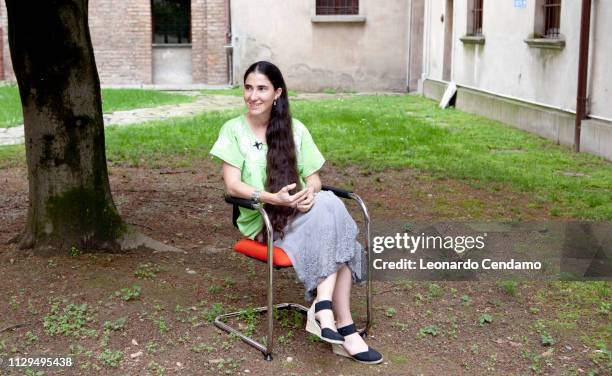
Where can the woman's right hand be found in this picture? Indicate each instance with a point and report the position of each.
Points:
(284, 198)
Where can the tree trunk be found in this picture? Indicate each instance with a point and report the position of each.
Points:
(70, 202)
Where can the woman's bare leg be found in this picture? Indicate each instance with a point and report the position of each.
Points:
(325, 291)
(342, 310)
(342, 296)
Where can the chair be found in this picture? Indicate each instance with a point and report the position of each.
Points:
(276, 258)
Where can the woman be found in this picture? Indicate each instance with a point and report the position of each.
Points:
(270, 157)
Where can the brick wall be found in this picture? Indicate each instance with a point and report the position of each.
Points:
(198, 40)
(208, 28)
(121, 36)
(216, 27)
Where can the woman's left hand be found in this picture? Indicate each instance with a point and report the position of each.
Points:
(307, 200)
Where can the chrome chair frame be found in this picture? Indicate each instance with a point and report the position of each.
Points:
(269, 308)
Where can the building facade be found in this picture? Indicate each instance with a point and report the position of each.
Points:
(348, 45)
(341, 45)
(517, 61)
(141, 42)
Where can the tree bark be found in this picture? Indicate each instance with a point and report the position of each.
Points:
(70, 202)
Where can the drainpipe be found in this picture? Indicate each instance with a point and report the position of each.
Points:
(229, 49)
(1, 55)
(426, 47)
(583, 71)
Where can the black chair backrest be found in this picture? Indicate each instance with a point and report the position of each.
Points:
(235, 215)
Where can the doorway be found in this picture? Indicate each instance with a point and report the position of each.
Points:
(171, 26)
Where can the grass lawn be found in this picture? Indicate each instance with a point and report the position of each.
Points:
(113, 100)
(398, 132)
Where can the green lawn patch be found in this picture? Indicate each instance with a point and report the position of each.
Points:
(112, 100)
(387, 132)
(127, 99)
(10, 106)
(12, 156)
(407, 131)
(152, 144)
(577, 306)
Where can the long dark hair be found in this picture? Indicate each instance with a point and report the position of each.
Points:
(281, 168)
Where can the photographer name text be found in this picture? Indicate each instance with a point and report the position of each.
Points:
(484, 264)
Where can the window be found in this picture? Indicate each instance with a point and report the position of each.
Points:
(552, 18)
(475, 26)
(474, 23)
(337, 7)
(171, 21)
(547, 27)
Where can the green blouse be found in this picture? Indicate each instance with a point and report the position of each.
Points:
(236, 146)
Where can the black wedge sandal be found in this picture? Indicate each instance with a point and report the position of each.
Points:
(367, 357)
(313, 325)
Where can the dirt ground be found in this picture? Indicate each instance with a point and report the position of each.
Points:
(167, 328)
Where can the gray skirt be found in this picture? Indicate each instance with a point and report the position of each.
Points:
(321, 240)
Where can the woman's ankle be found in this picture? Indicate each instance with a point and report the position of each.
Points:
(342, 321)
(318, 299)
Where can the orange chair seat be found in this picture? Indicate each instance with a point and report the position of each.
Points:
(259, 251)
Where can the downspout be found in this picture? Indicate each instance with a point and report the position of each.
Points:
(229, 49)
(426, 47)
(583, 71)
(409, 6)
(1, 53)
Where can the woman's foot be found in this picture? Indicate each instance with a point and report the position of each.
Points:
(354, 344)
(320, 322)
(354, 347)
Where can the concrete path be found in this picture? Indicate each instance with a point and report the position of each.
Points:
(202, 104)
(15, 135)
(11, 136)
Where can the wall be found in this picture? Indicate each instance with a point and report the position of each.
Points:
(529, 73)
(208, 30)
(172, 65)
(121, 37)
(531, 88)
(507, 66)
(417, 11)
(601, 56)
(356, 56)
(7, 67)
(122, 41)
(2, 31)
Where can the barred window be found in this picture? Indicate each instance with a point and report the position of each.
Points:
(171, 21)
(337, 7)
(552, 18)
(476, 15)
